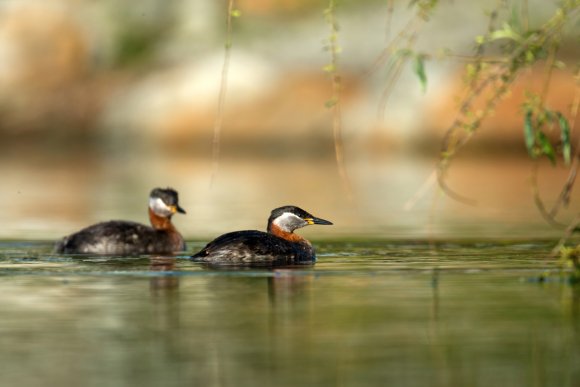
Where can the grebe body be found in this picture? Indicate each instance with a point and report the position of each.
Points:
(118, 237)
(279, 246)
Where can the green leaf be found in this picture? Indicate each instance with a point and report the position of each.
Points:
(515, 19)
(559, 64)
(236, 13)
(329, 68)
(546, 147)
(530, 57)
(331, 102)
(529, 134)
(402, 53)
(506, 33)
(548, 116)
(420, 71)
(565, 137)
(471, 70)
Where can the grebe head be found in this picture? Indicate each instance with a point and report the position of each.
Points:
(289, 218)
(164, 202)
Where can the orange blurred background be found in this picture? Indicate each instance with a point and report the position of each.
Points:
(102, 101)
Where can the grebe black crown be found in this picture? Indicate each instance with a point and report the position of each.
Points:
(165, 201)
(121, 237)
(289, 218)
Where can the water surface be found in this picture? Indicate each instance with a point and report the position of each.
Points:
(370, 313)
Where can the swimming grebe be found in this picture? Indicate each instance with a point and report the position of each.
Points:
(279, 246)
(118, 237)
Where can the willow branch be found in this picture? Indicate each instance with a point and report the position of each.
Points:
(564, 197)
(410, 29)
(571, 229)
(217, 127)
(389, 22)
(548, 217)
(506, 74)
(335, 103)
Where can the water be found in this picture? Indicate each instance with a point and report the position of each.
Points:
(49, 195)
(370, 313)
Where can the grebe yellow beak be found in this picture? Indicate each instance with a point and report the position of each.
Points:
(314, 220)
(176, 208)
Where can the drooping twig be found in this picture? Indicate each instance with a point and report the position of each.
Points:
(572, 227)
(389, 22)
(468, 127)
(217, 127)
(565, 193)
(548, 217)
(504, 74)
(564, 197)
(393, 75)
(335, 102)
(410, 28)
(426, 186)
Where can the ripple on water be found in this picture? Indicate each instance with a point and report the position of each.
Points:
(368, 313)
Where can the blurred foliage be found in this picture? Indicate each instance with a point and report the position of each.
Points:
(511, 45)
(539, 121)
(519, 49)
(334, 103)
(138, 35)
(570, 257)
(516, 46)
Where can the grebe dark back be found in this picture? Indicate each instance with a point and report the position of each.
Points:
(279, 246)
(118, 237)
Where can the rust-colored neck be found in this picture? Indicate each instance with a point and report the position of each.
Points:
(160, 222)
(167, 228)
(289, 236)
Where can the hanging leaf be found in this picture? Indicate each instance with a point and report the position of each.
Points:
(515, 20)
(506, 33)
(565, 137)
(330, 103)
(546, 147)
(420, 71)
(529, 134)
(329, 68)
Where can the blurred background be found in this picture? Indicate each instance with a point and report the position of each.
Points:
(100, 101)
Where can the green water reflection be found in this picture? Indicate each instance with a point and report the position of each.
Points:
(369, 313)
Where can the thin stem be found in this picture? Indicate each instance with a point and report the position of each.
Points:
(548, 77)
(427, 184)
(217, 127)
(505, 74)
(393, 75)
(442, 180)
(525, 15)
(572, 227)
(336, 101)
(564, 197)
(390, 11)
(339, 149)
(388, 89)
(538, 200)
(410, 29)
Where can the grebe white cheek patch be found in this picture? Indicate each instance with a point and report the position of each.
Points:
(159, 207)
(289, 221)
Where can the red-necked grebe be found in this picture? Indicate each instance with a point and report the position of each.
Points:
(118, 237)
(279, 246)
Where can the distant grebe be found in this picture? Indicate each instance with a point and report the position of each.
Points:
(119, 237)
(279, 246)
